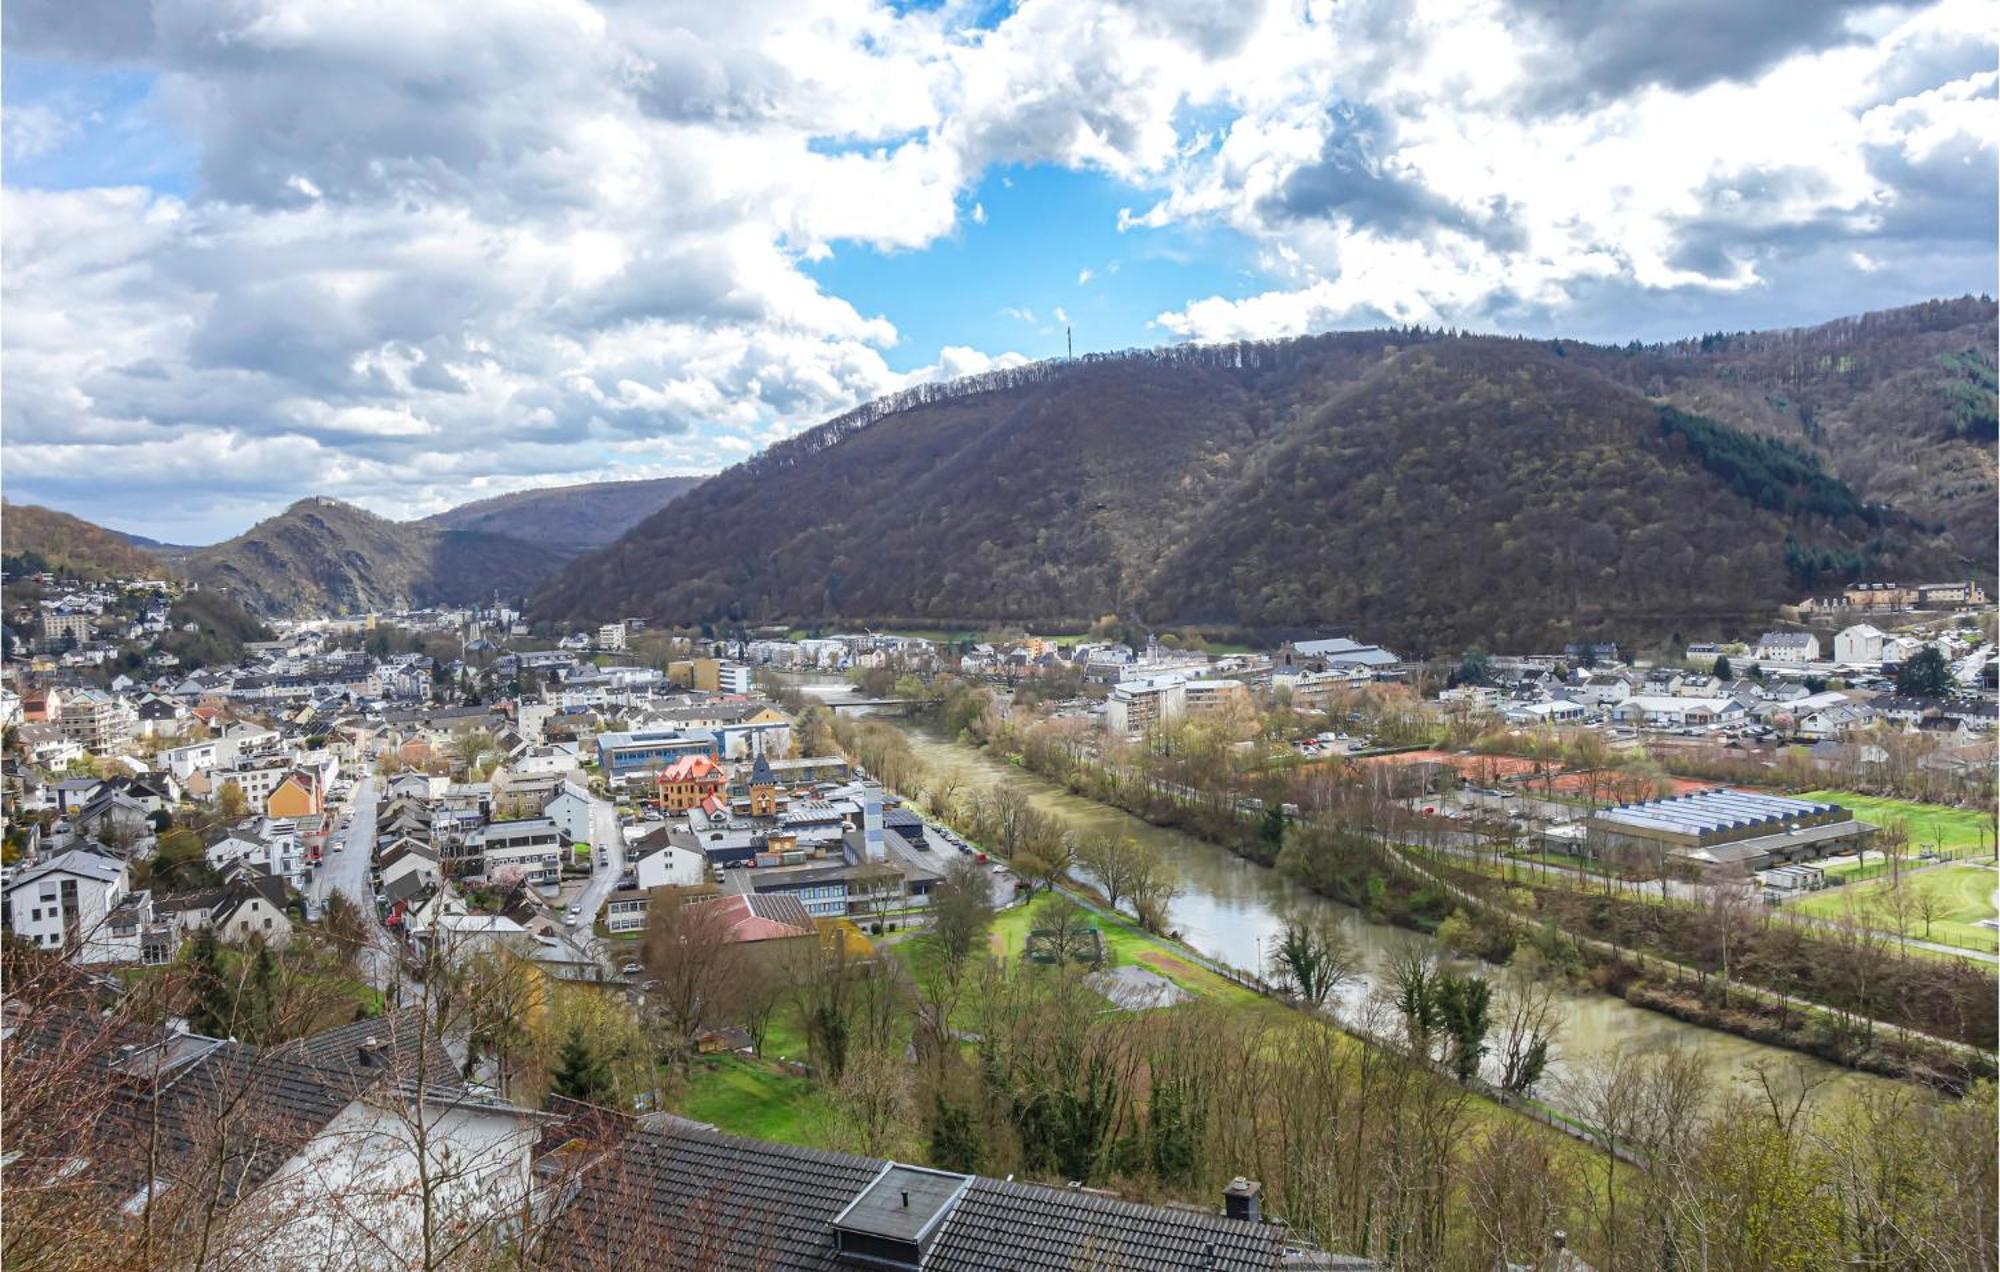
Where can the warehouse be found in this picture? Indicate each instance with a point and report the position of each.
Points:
(1726, 829)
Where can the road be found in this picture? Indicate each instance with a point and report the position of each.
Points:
(607, 852)
(347, 871)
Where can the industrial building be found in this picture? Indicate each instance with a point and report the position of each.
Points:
(1726, 829)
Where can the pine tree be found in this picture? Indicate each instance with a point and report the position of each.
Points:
(1723, 671)
(259, 1004)
(955, 1142)
(580, 1073)
(213, 1012)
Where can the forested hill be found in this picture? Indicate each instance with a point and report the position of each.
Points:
(567, 519)
(44, 539)
(321, 556)
(1425, 489)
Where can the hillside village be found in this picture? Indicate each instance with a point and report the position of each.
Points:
(453, 789)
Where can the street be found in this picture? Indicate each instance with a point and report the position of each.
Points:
(347, 872)
(607, 853)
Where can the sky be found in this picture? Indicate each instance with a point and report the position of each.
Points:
(409, 255)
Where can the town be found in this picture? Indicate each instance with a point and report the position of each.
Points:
(608, 872)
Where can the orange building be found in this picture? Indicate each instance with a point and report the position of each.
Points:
(296, 795)
(687, 782)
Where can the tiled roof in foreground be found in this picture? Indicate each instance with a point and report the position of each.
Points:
(681, 1198)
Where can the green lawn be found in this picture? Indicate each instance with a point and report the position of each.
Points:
(1956, 830)
(756, 1098)
(1964, 894)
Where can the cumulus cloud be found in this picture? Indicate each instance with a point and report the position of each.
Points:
(430, 249)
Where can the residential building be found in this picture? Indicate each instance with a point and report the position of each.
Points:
(611, 636)
(323, 1136)
(1945, 595)
(1136, 706)
(97, 721)
(664, 864)
(1215, 695)
(297, 794)
(58, 626)
(570, 809)
(63, 905)
(534, 848)
(1786, 647)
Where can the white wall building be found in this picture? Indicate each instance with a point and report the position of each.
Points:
(62, 905)
(1859, 644)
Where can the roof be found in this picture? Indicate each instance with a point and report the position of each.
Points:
(679, 1197)
(76, 861)
(763, 917)
(1713, 811)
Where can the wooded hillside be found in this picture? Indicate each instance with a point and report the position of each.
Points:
(1419, 488)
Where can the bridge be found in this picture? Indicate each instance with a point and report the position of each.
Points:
(904, 705)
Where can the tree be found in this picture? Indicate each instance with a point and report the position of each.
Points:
(230, 799)
(1925, 674)
(1312, 958)
(1529, 1019)
(1113, 861)
(955, 1140)
(213, 1010)
(688, 951)
(580, 1073)
(1465, 1010)
(961, 909)
(1723, 671)
(1154, 890)
(1475, 668)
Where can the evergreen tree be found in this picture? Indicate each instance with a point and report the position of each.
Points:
(1723, 671)
(955, 1142)
(1464, 1008)
(259, 1003)
(213, 1011)
(580, 1073)
(1925, 675)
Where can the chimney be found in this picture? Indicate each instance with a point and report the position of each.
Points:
(1239, 1200)
(372, 1056)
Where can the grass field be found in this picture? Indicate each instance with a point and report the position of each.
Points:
(1963, 893)
(1955, 830)
(758, 1099)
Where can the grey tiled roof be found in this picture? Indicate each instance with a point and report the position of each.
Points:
(678, 1198)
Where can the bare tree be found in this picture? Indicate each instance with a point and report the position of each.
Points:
(690, 954)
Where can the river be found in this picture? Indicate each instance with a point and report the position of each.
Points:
(1231, 909)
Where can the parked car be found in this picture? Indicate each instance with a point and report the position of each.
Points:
(630, 969)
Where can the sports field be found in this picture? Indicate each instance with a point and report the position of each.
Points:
(1959, 896)
(1958, 831)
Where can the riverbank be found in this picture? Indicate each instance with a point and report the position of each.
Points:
(1602, 940)
(1232, 908)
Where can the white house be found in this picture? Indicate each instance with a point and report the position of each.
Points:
(671, 867)
(1787, 647)
(1859, 644)
(570, 809)
(63, 904)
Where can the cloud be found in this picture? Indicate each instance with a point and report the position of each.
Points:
(33, 131)
(414, 247)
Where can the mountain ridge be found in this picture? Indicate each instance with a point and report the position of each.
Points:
(323, 556)
(570, 518)
(944, 506)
